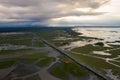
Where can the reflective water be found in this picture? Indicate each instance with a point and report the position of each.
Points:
(78, 44)
(108, 34)
(101, 53)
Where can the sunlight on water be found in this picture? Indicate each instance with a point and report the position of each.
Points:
(108, 34)
(78, 44)
(101, 53)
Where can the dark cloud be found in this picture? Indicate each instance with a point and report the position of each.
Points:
(44, 10)
(22, 3)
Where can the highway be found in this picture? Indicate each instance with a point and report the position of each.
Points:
(75, 60)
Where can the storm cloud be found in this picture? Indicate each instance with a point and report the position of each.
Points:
(43, 11)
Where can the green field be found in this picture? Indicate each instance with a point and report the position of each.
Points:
(96, 63)
(46, 61)
(114, 53)
(64, 71)
(33, 57)
(6, 52)
(39, 44)
(89, 48)
(6, 64)
(64, 68)
(67, 67)
(114, 62)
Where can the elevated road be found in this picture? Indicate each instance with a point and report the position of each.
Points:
(75, 60)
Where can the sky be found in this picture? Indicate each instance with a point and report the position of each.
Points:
(60, 12)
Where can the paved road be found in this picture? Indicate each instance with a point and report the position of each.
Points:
(75, 60)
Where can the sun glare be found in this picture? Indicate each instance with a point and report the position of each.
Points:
(83, 9)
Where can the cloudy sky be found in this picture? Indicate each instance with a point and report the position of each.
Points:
(60, 12)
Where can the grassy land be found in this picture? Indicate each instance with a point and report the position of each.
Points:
(33, 57)
(27, 42)
(34, 77)
(114, 46)
(29, 61)
(63, 70)
(89, 48)
(118, 59)
(20, 42)
(59, 72)
(17, 79)
(96, 63)
(114, 53)
(16, 39)
(39, 44)
(5, 52)
(6, 64)
(117, 63)
(20, 39)
(23, 71)
(15, 36)
(75, 70)
(46, 61)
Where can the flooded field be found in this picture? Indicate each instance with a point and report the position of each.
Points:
(105, 47)
(24, 56)
(107, 34)
(97, 48)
